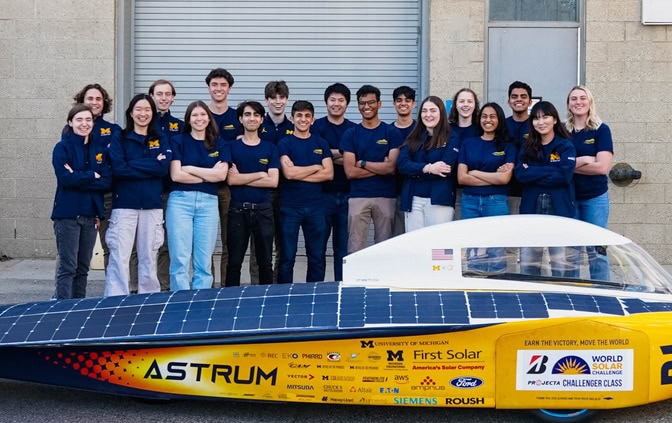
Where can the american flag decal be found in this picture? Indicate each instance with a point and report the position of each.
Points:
(442, 254)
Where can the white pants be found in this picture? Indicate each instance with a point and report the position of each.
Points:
(424, 213)
(145, 227)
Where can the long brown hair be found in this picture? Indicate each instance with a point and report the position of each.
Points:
(441, 132)
(211, 131)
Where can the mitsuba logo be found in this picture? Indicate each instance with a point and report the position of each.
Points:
(229, 127)
(173, 126)
(263, 161)
(214, 154)
(366, 344)
(382, 142)
(317, 151)
(105, 131)
(537, 364)
(498, 153)
(589, 141)
(178, 370)
(154, 144)
(395, 355)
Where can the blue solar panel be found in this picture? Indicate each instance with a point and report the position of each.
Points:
(285, 307)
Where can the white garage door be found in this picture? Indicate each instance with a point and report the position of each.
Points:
(309, 44)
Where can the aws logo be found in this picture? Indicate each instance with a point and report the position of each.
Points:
(555, 157)
(214, 154)
(173, 126)
(498, 153)
(318, 151)
(571, 365)
(263, 161)
(105, 132)
(154, 144)
(589, 141)
(382, 142)
(99, 158)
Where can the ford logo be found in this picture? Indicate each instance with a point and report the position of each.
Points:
(466, 382)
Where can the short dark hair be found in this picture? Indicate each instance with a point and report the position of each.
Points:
(301, 105)
(150, 91)
(254, 105)
(107, 101)
(275, 88)
(404, 90)
(366, 90)
(337, 88)
(518, 84)
(219, 73)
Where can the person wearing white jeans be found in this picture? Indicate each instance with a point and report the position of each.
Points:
(145, 227)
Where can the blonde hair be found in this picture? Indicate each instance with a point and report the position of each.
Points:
(593, 121)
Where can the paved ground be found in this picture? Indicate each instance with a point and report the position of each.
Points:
(32, 280)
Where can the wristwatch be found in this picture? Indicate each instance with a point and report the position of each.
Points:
(362, 164)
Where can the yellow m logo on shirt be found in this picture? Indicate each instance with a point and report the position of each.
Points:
(173, 126)
(99, 157)
(105, 131)
(154, 144)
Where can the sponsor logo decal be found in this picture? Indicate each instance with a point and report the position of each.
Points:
(466, 382)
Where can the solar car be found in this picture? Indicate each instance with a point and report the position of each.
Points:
(516, 312)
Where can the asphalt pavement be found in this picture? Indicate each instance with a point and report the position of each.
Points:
(23, 280)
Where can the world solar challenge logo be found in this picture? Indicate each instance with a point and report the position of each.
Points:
(588, 370)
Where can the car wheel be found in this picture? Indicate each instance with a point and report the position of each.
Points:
(562, 416)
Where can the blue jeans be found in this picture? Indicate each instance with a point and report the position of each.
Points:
(314, 225)
(564, 262)
(191, 220)
(75, 239)
(596, 211)
(242, 223)
(337, 223)
(494, 259)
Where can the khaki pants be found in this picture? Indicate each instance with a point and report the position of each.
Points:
(360, 213)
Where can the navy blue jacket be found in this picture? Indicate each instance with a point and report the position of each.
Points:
(272, 133)
(442, 190)
(550, 174)
(137, 174)
(168, 124)
(79, 193)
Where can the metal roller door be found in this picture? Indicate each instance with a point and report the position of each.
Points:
(309, 44)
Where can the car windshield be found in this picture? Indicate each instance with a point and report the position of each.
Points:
(619, 267)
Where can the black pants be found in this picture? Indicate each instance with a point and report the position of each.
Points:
(242, 223)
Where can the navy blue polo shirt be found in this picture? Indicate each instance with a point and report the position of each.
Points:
(228, 124)
(589, 142)
(302, 152)
(372, 145)
(251, 159)
(191, 152)
(462, 133)
(479, 154)
(519, 131)
(333, 134)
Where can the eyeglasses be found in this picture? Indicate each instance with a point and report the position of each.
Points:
(369, 103)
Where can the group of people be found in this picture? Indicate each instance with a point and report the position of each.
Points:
(157, 189)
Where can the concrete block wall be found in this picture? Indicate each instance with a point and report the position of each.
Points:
(456, 47)
(629, 70)
(49, 49)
